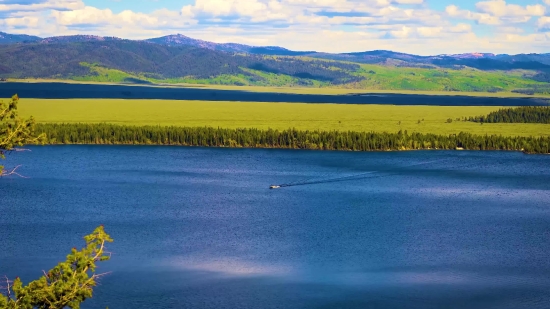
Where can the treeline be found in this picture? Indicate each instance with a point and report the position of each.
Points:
(524, 114)
(293, 139)
(537, 89)
(63, 60)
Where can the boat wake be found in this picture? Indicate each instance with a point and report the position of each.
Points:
(370, 174)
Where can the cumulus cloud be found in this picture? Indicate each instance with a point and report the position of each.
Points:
(301, 11)
(496, 12)
(17, 22)
(40, 5)
(480, 18)
(544, 23)
(343, 25)
(93, 17)
(501, 8)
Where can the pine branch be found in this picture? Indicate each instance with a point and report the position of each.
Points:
(4, 173)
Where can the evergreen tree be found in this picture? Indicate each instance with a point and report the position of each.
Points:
(69, 283)
(14, 131)
(524, 114)
(104, 133)
(66, 285)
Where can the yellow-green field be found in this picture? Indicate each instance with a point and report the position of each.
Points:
(433, 119)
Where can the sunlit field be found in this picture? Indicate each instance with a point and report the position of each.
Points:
(390, 118)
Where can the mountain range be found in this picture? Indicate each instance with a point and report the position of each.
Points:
(179, 58)
(375, 56)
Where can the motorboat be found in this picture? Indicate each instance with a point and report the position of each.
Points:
(274, 187)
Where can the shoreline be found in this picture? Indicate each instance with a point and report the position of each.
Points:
(111, 134)
(54, 90)
(286, 148)
(335, 91)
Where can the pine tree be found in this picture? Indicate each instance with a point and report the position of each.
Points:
(66, 285)
(14, 131)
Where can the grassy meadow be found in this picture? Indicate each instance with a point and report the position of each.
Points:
(441, 79)
(380, 118)
(375, 77)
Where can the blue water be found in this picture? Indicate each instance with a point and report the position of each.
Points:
(62, 90)
(199, 228)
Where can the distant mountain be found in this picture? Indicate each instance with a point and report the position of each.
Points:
(6, 38)
(92, 57)
(485, 62)
(77, 38)
(480, 61)
(384, 54)
(88, 58)
(183, 59)
(470, 55)
(377, 57)
(504, 64)
(542, 58)
(182, 40)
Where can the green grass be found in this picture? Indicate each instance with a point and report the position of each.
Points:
(273, 115)
(377, 77)
(102, 74)
(440, 79)
(387, 78)
(279, 80)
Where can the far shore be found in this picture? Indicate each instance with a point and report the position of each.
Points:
(294, 90)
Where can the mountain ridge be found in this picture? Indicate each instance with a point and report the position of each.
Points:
(183, 40)
(180, 59)
(7, 38)
(477, 60)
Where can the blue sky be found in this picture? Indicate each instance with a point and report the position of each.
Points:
(414, 26)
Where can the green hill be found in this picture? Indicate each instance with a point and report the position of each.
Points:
(145, 62)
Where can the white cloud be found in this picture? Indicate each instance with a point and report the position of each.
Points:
(496, 12)
(509, 30)
(480, 18)
(500, 8)
(20, 22)
(228, 7)
(292, 11)
(86, 15)
(93, 17)
(41, 6)
(402, 33)
(461, 28)
(343, 25)
(544, 23)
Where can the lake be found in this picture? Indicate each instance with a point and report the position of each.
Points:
(199, 228)
(105, 91)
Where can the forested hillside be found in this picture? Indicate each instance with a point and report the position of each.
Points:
(104, 59)
(160, 62)
(6, 38)
(480, 61)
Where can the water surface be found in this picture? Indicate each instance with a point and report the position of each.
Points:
(105, 91)
(198, 228)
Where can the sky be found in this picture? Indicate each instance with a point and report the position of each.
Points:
(424, 27)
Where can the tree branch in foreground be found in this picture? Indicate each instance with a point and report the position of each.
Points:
(4, 173)
(15, 131)
(66, 285)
